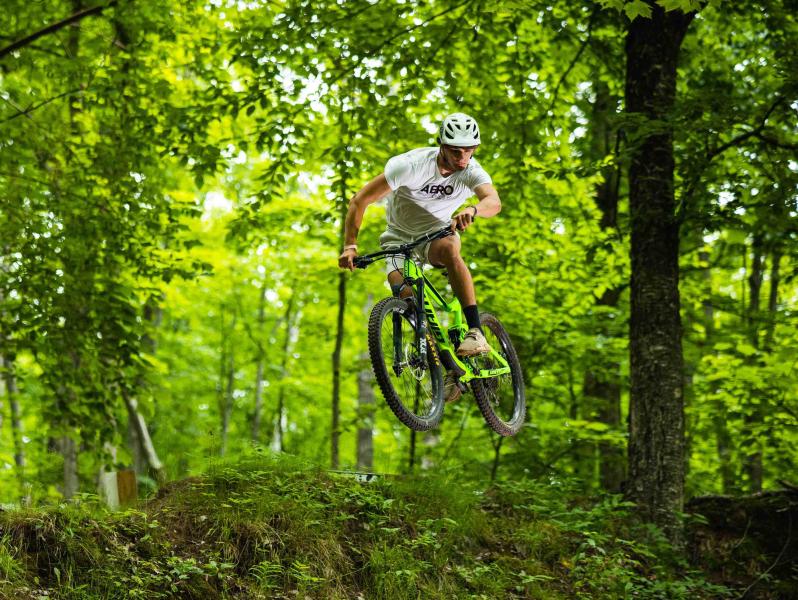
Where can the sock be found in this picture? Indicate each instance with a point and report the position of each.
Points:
(472, 317)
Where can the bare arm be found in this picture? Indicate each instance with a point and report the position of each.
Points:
(371, 192)
(488, 205)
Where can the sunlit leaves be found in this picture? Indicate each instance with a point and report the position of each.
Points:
(279, 112)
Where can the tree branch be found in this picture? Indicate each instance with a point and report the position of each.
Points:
(355, 13)
(421, 66)
(788, 486)
(375, 50)
(55, 27)
(712, 154)
(575, 59)
(777, 561)
(755, 132)
(771, 141)
(33, 107)
(414, 27)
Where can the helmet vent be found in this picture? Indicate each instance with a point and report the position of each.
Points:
(459, 129)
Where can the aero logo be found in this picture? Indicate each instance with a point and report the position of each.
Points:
(438, 189)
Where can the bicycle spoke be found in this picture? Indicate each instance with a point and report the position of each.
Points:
(500, 398)
(412, 384)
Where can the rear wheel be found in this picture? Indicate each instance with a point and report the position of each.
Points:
(412, 387)
(501, 399)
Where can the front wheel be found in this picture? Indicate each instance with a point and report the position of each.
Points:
(412, 387)
(501, 399)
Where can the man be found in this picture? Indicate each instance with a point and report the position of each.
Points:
(429, 185)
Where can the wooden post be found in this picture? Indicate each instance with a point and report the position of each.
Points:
(119, 488)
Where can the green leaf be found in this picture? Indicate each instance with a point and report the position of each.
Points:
(637, 8)
(669, 5)
(746, 350)
(612, 4)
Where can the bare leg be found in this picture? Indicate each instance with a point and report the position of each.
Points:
(396, 278)
(446, 252)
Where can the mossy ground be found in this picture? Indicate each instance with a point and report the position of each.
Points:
(274, 528)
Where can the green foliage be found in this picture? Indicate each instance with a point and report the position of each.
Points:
(642, 8)
(264, 528)
(167, 165)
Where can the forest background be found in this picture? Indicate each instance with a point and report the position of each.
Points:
(175, 175)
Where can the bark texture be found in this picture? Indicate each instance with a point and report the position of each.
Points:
(145, 453)
(656, 419)
(753, 418)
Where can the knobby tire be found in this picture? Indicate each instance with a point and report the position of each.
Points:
(405, 408)
(487, 392)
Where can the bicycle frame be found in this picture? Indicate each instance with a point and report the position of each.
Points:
(428, 301)
(429, 298)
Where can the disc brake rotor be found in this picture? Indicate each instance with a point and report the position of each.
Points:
(413, 363)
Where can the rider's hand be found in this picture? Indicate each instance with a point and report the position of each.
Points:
(345, 261)
(463, 219)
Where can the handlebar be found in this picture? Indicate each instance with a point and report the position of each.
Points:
(361, 262)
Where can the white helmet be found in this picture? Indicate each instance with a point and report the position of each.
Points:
(458, 129)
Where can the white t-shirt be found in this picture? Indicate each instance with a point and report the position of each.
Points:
(423, 200)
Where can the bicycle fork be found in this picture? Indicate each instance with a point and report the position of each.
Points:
(420, 341)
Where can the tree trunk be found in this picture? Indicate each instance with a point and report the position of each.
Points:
(601, 390)
(145, 447)
(65, 444)
(656, 419)
(583, 452)
(497, 451)
(753, 459)
(228, 397)
(773, 299)
(605, 393)
(11, 392)
(9, 379)
(411, 456)
(226, 378)
(723, 442)
(260, 367)
(290, 335)
(365, 410)
(754, 289)
(4, 381)
(134, 444)
(366, 404)
(431, 440)
(69, 451)
(16, 424)
(336, 355)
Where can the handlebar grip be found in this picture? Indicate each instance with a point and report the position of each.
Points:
(361, 262)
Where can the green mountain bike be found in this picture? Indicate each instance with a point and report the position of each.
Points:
(408, 347)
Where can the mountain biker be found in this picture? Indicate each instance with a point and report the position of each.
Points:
(426, 186)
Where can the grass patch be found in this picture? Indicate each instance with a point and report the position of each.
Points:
(277, 528)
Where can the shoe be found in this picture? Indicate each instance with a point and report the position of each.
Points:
(474, 343)
(451, 388)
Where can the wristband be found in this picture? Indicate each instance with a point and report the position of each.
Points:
(475, 212)
(350, 247)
